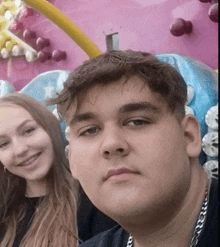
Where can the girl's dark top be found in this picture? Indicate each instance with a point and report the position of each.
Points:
(90, 220)
(24, 225)
(26, 222)
(118, 237)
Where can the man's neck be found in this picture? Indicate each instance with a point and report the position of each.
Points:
(179, 230)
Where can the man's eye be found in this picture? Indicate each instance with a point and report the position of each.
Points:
(137, 122)
(90, 131)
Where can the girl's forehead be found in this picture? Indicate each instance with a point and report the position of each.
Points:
(9, 104)
(13, 111)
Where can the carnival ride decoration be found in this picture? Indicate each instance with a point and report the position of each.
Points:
(6, 88)
(66, 24)
(213, 9)
(180, 26)
(18, 40)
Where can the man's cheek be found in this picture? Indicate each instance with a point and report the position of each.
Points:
(73, 164)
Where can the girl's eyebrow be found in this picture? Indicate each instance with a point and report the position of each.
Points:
(24, 122)
(19, 126)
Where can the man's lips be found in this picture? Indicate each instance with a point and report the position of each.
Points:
(116, 172)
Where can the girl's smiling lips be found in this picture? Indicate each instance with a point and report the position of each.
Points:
(117, 172)
(29, 160)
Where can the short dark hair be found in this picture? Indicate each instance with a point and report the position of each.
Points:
(111, 66)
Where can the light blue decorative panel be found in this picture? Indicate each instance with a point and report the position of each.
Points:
(45, 85)
(5, 88)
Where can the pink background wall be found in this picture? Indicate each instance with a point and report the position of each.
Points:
(141, 24)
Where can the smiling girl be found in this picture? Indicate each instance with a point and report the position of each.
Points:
(37, 191)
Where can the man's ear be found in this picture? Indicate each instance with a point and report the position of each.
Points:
(192, 135)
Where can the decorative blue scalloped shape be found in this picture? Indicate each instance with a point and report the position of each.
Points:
(201, 78)
(46, 85)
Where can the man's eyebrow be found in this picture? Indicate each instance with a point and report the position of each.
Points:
(130, 107)
(138, 106)
(81, 117)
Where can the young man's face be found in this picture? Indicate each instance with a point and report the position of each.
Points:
(128, 151)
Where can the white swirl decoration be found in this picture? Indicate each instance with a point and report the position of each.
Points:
(190, 96)
(211, 168)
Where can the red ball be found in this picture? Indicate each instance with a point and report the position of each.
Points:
(58, 55)
(27, 34)
(41, 43)
(43, 56)
(180, 26)
(213, 12)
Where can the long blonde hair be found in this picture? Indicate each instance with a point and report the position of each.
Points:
(54, 223)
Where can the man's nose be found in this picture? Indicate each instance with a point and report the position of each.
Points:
(114, 143)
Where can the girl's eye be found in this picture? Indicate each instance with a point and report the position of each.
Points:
(90, 131)
(4, 144)
(29, 130)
